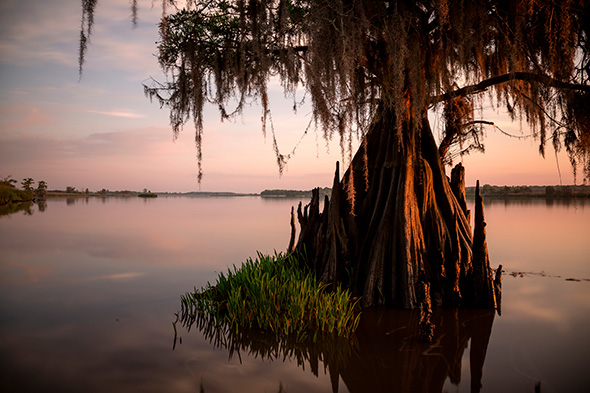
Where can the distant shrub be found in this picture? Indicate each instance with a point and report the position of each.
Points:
(9, 194)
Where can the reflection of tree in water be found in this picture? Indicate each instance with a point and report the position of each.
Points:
(392, 358)
(25, 207)
(42, 205)
(385, 354)
(334, 352)
(11, 208)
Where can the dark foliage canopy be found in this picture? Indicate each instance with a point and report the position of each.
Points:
(530, 57)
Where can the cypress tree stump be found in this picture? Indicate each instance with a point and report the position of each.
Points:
(481, 280)
(408, 230)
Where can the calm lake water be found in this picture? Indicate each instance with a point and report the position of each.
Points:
(89, 289)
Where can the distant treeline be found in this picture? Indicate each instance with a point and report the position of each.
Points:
(71, 191)
(294, 193)
(206, 194)
(10, 194)
(580, 191)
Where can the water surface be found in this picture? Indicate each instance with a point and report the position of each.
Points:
(89, 288)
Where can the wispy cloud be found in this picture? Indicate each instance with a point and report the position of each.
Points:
(118, 276)
(130, 159)
(130, 115)
(47, 32)
(29, 36)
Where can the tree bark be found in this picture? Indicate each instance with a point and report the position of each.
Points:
(408, 230)
(458, 187)
(291, 247)
(481, 280)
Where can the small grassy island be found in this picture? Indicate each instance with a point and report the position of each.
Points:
(148, 195)
(273, 294)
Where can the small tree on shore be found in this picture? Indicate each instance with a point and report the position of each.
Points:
(41, 190)
(27, 184)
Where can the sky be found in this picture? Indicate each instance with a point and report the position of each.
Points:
(101, 132)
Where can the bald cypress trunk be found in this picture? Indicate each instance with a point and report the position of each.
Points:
(408, 230)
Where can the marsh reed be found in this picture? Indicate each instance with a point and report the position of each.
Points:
(274, 294)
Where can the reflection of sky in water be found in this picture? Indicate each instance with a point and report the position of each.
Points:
(542, 335)
(88, 293)
(538, 236)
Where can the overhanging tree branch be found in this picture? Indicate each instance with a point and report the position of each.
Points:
(496, 80)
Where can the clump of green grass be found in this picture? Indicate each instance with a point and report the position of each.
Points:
(274, 293)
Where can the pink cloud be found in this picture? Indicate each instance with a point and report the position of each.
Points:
(130, 115)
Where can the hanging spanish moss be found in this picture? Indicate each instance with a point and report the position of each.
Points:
(134, 12)
(373, 70)
(86, 24)
(353, 56)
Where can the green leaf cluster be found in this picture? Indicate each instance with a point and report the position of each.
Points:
(188, 29)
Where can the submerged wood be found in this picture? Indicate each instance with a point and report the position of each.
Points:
(426, 327)
(498, 289)
(410, 226)
(291, 247)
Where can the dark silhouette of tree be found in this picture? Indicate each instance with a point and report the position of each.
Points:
(396, 229)
(27, 184)
(8, 191)
(8, 181)
(41, 191)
